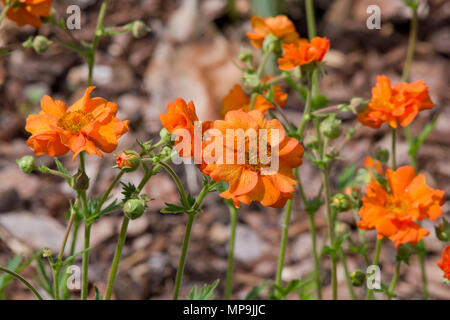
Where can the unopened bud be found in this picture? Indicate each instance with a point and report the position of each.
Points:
(47, 253)
(341, 229)
(331, 127)
(166, 136)
(382, 155)
(246, 56)
(134, 208)
(359, 104)
(358, 277)
(139, 29)
(341, 202)
(41, 44)
(128, 161)
(443, 231)
(80, 181)
(26, 164)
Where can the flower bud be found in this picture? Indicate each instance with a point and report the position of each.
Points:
(47, 253)
(246, 56)
(382, 155)
(331, 127)
(166, 136)
(359, 104)
(41, 44)
(139, 29)
(134, 208)
(341, 202)
(443, 231)
(341, 229)
(128, 161)
(358, 277)
(271, 43)
(80, 181)
(26, 164)
(165, 152)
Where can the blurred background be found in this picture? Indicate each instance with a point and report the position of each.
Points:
(191, 53)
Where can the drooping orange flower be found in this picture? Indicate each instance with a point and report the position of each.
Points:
(90, 125)
(237, 99)
(280, 26)
(29, 11)
(398, 104)
(182, 116)
(303, 52)
(251, 179)
(445, 263)
(394, 211)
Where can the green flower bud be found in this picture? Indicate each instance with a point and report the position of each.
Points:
(403, 254)
(331, 127)
(443, 231)
(359, 104)
(26, 164)
(165, 152)
(80, 181)
(134, 208)
(382, 155)
(246, 56)
(128, 161)
(41, 44)
(139, 29)
(166, 136)
(341, 229)
(271, 42)
(47, 253)
(358, 277)
(341, 202)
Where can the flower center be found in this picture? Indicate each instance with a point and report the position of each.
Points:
(397, 206)
(75, 121)
(253, 162)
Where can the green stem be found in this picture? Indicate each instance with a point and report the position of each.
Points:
(411, 47)
(98, 33)
(309, 6)
(284, 237)
(423, 271)
(307, 112)
(177, 180)
(394, 280)
(56, 282)
(180, 270)
(394, 143)
(347, 275)
(312, 227)
(370, 295)
(84, 278)
(25, 282)
(3, 13)
(233, 223)
(330, 221)
(116, 260)
(66, 236)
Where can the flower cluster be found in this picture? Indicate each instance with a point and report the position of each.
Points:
(279, 26)
(395, 105)
(303, 52)
(90, 125)
(394, 208)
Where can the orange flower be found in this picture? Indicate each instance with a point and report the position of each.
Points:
(182, 116)
(445, 263)
(29, 11)
(88, 125)
(280, 26)
(394, 211)
(303, 52)
(397, 104)
(237, 99)
(251, 179)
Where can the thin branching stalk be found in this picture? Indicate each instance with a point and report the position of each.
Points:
(233, 223)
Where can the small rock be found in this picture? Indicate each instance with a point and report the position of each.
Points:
(218, 233)
(249, 246)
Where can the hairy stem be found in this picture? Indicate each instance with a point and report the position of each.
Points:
(233, 224)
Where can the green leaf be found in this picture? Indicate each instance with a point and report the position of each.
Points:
(256, 291)
(69, 259)
(4, 51)
(12, 265)
(129, 190)
(98, 296)
(205, 293)
(173, 208)
(319, 102)
(346, 177)
(61, 168)
(416, 143)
